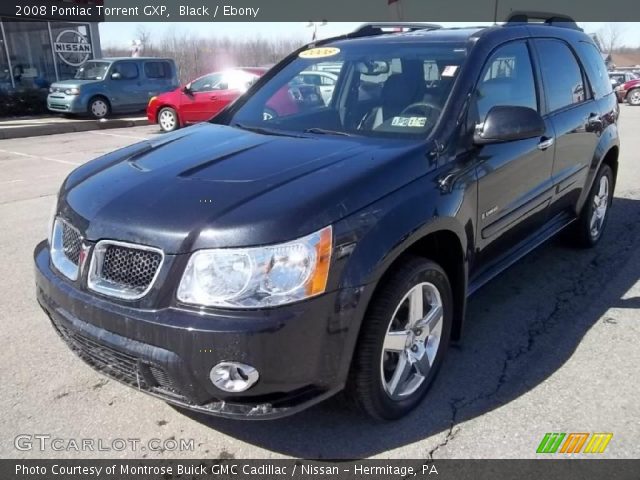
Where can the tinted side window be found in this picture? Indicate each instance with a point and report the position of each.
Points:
(596, 69)
(507, 79)
(561, 74)
(127, 70)
(157, 70)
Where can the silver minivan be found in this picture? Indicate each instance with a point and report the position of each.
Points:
(113, 85)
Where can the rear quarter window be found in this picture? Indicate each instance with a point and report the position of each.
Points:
(596, 69)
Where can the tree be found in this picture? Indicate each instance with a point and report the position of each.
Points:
(143, 34)
(610, 37)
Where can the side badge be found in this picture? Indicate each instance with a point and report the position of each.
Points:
(488, 213)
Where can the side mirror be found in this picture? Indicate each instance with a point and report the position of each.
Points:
(116, 76)
(509, 123)
(187, 89)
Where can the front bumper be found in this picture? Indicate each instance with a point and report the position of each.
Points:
(60, 102)
(302, 351)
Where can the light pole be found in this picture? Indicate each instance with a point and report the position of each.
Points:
(315, 26)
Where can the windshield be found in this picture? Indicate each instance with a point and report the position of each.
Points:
(92, 71)
(394, 89)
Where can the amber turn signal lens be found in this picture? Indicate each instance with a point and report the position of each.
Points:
(318, 281)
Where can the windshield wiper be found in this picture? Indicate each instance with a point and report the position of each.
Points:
(266, 131)
(324, 131)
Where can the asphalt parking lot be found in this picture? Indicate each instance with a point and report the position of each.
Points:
(552, 345)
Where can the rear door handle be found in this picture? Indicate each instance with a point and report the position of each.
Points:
(545, 143)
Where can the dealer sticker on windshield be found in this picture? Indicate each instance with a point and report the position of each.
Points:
(319, 52)
(416, 122)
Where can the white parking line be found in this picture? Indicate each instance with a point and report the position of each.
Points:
(38, 157)
(118, 135)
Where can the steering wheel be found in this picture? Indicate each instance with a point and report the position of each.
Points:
(422, 107)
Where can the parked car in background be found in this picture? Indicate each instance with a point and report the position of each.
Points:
(113, 85)
(202, 98)
(629, 91)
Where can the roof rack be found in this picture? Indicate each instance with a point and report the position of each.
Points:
(547, 18)
(378, 28)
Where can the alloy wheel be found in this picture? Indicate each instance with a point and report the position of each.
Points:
(600, 205)
(412, 341)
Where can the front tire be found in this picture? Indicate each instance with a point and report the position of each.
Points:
(633, 97)
(404, 338)
(168, 119)
(593, 218)
(99, 108)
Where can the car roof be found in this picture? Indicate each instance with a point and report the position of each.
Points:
(463, 35)
(113, 59)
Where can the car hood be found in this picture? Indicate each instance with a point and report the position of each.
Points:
(216, 186)
(631, 84)
(73, 83)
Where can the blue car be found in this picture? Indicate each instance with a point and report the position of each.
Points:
(113, 85)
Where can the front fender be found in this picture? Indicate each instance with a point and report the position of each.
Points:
(386, 229)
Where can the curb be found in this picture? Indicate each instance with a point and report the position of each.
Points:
(70, 127)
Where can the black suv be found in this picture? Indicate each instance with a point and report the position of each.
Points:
(256, 264)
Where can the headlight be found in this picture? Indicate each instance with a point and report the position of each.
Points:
(72, 91)
(51, 89)
(258, 277)
(151, 100)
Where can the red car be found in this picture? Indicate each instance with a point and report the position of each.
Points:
(629, 91)
(200, 99)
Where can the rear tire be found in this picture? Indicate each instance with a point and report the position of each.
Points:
(588, 229)
(168, 119)
(399, 352)
(99, 108)
(633, 97)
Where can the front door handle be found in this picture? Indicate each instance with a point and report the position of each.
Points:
(545, 143)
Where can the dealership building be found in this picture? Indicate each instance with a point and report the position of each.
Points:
(36, 53)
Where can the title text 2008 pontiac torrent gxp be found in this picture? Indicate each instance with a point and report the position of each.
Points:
(255, 264)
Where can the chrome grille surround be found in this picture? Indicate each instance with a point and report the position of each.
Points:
(124, 270)
(66, 244)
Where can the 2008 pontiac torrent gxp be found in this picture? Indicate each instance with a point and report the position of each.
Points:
(255, 264)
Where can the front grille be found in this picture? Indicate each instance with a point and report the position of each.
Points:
(130, 267)
(124, 270)
(71, 242)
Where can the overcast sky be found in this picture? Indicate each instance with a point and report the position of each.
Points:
(120, 34)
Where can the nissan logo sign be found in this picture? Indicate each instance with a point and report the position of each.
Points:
(72, 47)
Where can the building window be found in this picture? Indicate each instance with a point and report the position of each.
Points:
(5, 71)
(71, 46)
(30, 53)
